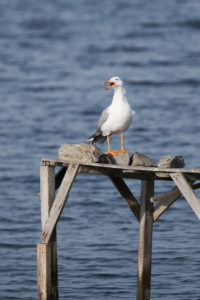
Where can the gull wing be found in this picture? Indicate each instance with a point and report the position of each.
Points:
(103, 118)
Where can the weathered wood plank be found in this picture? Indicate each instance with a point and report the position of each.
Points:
(166, 200)
(47, 196)
(132, 172)
(127, 196)
(47, 191)
(145, 241)
(174, 191)
(120, 173)
(187, 192)
(44, 271)
(165, 196)
(59, 202)
(64, 163)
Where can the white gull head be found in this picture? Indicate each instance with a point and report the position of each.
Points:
(113, 82)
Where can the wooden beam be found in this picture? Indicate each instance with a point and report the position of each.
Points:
(59, 202)
(65, 163)
(187, 192)
(47, 191)
(174, 191)
(166, 200)
(44, 271)
(127, 196)
(122, 171)
(145, 241)
(47, 195)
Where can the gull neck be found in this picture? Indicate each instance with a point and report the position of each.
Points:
(119, 95)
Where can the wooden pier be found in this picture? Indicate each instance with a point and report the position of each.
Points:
(147, 211)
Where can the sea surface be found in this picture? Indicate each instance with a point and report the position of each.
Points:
(54, 56)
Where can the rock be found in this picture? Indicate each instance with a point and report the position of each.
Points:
(82, 152)
(171, 161)
(120, 159)
(139, 159)
(105, 159)
(87, 153)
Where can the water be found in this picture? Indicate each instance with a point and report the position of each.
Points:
(54, 56)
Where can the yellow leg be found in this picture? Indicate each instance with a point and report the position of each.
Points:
(108, 141)
(114, 152)
(122, 144)
(111, 152)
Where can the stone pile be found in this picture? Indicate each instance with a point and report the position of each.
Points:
(87, 153)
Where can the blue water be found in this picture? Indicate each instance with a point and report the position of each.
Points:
(54, 56)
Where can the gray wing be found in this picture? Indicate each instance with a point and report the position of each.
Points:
(103, 118)
(98, 137)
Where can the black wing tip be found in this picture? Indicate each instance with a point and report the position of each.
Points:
(97, 138)
(92, 138)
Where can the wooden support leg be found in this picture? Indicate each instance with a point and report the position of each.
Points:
(44, 271)
(47, 252)
(145, 241)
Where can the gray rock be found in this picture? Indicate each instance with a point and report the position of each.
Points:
(139, 159)
(82, 152)
(120, 159)
(171, 161)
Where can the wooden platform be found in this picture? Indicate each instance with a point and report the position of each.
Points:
(124, 171)
(147, 211)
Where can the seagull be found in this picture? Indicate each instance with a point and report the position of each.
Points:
(114, 119)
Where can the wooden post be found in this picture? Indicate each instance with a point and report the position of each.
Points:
(44, 271)
(47, 253)
(145, 240)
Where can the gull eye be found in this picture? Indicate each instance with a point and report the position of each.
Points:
(116, 78)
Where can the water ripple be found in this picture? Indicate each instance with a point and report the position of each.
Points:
(53, 59)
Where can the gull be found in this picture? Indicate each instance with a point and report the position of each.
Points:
(114, 119)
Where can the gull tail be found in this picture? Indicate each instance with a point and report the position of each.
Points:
(97, 138)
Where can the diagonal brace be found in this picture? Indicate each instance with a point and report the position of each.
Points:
(127, 195)
(166, 200)
(187, 191)
(59, 202)
(174, 191)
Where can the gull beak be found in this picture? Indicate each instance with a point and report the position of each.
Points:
(111, 84)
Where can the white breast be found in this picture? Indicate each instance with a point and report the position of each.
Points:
(119, 119)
